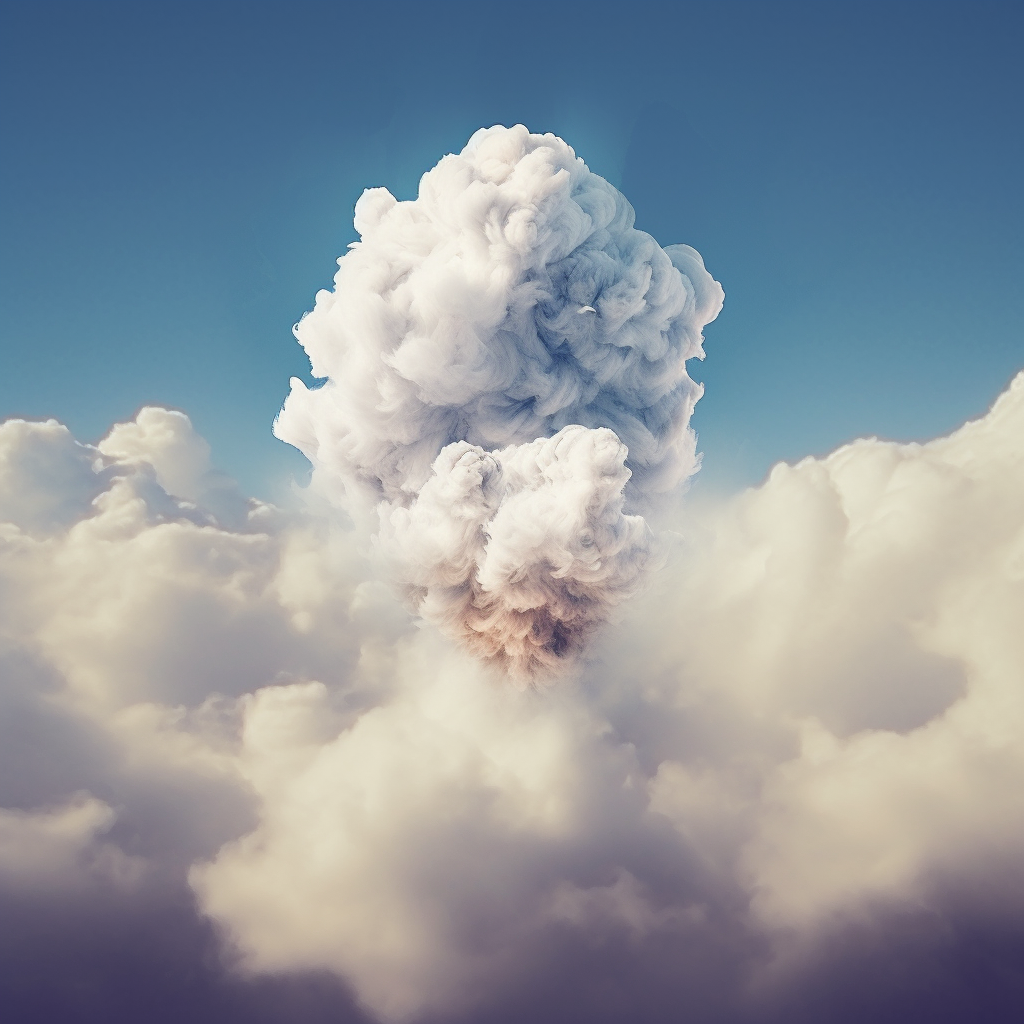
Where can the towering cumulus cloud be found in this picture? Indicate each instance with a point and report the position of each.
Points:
(506, 383)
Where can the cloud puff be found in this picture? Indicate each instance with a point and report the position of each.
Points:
(513, 298)
(797, 756)
(825, 713)
(49, 850)
(520, 553)
(812, 722)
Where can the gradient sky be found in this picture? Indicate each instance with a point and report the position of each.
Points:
(179, 178)
(764, 767)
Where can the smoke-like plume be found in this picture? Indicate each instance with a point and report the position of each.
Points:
(467, 330)
(518, 553)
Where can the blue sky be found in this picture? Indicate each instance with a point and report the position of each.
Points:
(487, 749)
(179, 179)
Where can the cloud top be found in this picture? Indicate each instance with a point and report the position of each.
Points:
(511, 299)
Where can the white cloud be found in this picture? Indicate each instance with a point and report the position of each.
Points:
(519, 554)
(511, 300)
(60, 849)
(825, 692)
(865, 607)
(813, 718)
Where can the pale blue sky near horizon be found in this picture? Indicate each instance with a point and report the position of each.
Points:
(178, 180)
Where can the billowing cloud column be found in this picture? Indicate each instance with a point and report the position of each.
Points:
(511, 300)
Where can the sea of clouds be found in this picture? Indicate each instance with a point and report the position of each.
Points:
(751, 759)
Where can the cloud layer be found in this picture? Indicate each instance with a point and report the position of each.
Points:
(791, 763)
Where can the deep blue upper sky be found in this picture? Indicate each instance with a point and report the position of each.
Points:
(178, 180)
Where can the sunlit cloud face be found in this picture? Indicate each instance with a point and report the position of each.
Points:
(772, 758)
